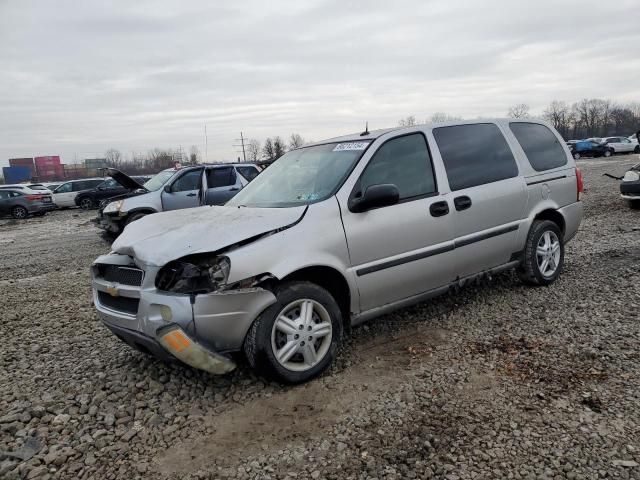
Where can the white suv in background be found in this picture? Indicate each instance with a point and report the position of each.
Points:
(621, 144)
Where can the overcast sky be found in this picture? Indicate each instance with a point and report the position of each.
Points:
(79, 77)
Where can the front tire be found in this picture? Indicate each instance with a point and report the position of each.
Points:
(19, 212)
(297, 338)
(86, 203)
(637, 149)
(608, 153)
(576, 156)
(543, 254)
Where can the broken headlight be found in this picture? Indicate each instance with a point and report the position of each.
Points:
(194, 275)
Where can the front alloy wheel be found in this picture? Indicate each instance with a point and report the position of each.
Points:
(301, 335)
(296, 338)
(607, 153)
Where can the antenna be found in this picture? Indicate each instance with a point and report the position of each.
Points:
(241, 144)
(366, 130)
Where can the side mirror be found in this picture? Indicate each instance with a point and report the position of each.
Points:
(375, 196)
(167, 188)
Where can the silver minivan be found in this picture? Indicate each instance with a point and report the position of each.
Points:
(337, 233)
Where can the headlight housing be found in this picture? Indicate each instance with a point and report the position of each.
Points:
(194, 275)
(631, 176)
(113, 206)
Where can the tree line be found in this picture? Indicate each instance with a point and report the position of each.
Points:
(589, 117)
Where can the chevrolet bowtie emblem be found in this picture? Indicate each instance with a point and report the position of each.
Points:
(113, 291)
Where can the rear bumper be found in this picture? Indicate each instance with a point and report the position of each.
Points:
(41, 207)
(572, 215)
(630, 190)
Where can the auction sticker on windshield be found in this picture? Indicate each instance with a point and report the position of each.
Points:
(350, 146)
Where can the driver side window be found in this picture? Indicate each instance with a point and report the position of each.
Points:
(188, 181)
(404, 162)
(64, 188)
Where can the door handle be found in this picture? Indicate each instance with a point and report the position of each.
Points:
(438, 209)
(190, 194)
(462, 203)
(235, 189)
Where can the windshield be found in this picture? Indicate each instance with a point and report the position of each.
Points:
(302, 176)
(159, 180)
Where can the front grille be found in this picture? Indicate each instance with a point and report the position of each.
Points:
(120, 304)
(117, 274)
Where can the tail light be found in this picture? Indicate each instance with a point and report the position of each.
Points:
(579, 182)
(34, 197)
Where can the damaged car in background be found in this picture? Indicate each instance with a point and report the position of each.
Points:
(630, 186)
(174, 189)
(336, 233)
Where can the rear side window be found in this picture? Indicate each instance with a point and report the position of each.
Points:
(475, 154)
(540, 145)
(220, 177)
(249, 173)
(405, 162)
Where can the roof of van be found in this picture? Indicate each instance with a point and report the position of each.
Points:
(219, 164)
(373, 134)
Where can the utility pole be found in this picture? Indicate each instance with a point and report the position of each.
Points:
(206, 145)
(241, 140)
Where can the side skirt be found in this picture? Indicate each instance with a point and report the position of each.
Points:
(421, 297)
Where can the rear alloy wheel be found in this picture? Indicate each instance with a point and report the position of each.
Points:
(297, 338)
(86, 203)
(19, 212)
(543, 255)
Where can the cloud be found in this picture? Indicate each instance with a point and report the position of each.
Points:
(81, 77)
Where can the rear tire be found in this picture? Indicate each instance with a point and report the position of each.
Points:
(297, 338)
(637, 149)
(543, 254)
(86, 203)
(634, 204)
(19, 212)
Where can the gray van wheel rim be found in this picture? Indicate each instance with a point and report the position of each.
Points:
(301, 335)
(548, 253)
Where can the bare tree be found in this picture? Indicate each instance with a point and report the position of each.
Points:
(407, 122)
(252, 149)
(279, 147)
(520, 110)
(440, 117)
(295, 141)
(194, 155)
(114, 158)
(559, 114)
(268, 151)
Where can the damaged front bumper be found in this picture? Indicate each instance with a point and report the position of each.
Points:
(169, 325)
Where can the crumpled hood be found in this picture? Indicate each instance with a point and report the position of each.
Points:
(159, 238)
(123, 179)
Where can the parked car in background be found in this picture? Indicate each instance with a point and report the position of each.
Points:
(630, 186)
(621, 145)
(589, 148)
(64, 195)
(21, 202)
(633, 138)
(52, 186)
(119, 184)
(175, 189)
(336, 233)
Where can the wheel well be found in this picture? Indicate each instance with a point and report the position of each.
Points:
(553, 215)
(331, 280)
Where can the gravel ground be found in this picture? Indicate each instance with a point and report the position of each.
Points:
(497, 381)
